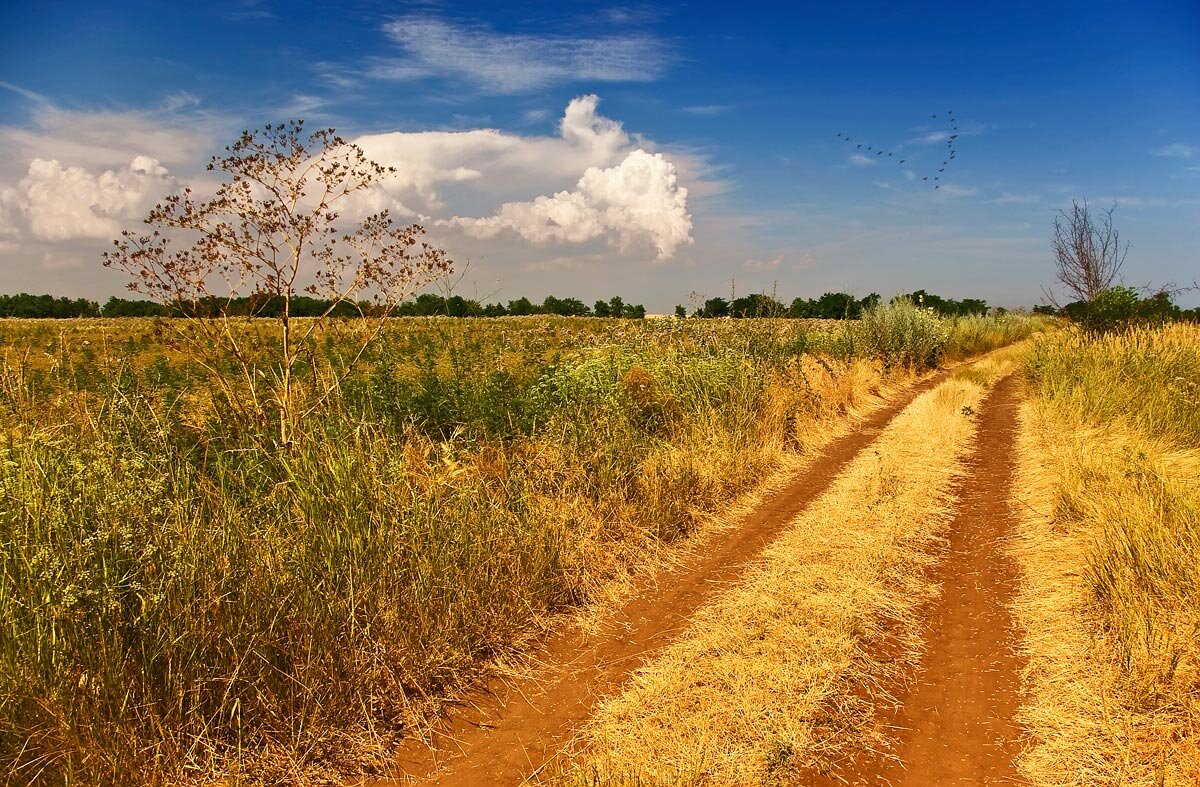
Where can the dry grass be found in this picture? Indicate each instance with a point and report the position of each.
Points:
(775, 674)
(180, 601)
(1110, 601)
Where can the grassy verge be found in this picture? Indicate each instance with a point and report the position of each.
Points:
(179, 602)
(778, 672)
(1110, 605)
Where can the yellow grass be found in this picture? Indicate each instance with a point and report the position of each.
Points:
(774, 674)
(1109, 603)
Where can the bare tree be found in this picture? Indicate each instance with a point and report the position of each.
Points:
(1088, 253)
(272, 232)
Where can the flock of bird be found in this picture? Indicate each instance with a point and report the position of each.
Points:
(951, 149)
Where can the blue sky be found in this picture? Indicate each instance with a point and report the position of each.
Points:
(735, 107)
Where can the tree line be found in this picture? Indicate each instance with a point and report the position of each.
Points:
(830, 306)
(424, 305)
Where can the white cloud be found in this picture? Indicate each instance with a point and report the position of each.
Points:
(1017, 199)
(1176, 150)
(175, 134)
(860, 160)
(594, 184)
(70, 181)
(62, 203)
(953, 190)
(635, 202)
(509, 63)
(708, 110)
(500, 166)
(763, 265)
(933, 137)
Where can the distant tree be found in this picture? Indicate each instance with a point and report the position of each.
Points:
(616, 306)
(756, 305)
(521, 307)
(122, 307)
(494, 310)
(681, 311)
(837, 306)
(601, 309)
(1088, 253)
(458, 306)
(634, 312)
(269, 228)
(565, 307)
(802, 308)
(715, 307)
(46, 306)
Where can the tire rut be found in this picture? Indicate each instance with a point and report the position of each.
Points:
(955, 719)
(509, 730)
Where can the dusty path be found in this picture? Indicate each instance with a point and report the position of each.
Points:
(955, 721)
(511, 730)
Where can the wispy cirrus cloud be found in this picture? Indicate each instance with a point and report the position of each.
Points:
(708, 110)
(1007, 198)
(1176, 150)
(861, 161)
(510, 63)
(763, 265)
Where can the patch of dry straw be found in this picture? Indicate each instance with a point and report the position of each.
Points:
(775, 673)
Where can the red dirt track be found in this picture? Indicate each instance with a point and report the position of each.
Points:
(510, 730)
(955, 720)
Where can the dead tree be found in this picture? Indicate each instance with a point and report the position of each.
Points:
(1088, 253)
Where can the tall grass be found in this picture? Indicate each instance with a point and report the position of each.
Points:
(1147, 379)
(179, 602)
(1112, 597)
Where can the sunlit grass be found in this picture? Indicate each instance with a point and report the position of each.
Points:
(180, 600)
(1111, 600)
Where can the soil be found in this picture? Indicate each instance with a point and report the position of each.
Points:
(508, 731)
(955, 719)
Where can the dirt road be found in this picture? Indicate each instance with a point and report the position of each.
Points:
(954, 720)
(511, 730)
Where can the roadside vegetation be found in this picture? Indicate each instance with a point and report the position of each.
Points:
(782, 673)
(1110, 611)
(183, 597)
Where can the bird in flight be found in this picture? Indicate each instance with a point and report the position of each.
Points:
(947, 119)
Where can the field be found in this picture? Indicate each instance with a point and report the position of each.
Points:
(181, 600)
(1108, 546)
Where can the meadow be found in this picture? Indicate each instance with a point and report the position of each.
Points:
(1110, 605)
(182, 599)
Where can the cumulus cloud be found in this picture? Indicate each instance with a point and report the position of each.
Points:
(497, 164)
(509, 63)
(60, 202)
(639, 200)
(69, 185)
(628, 196)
